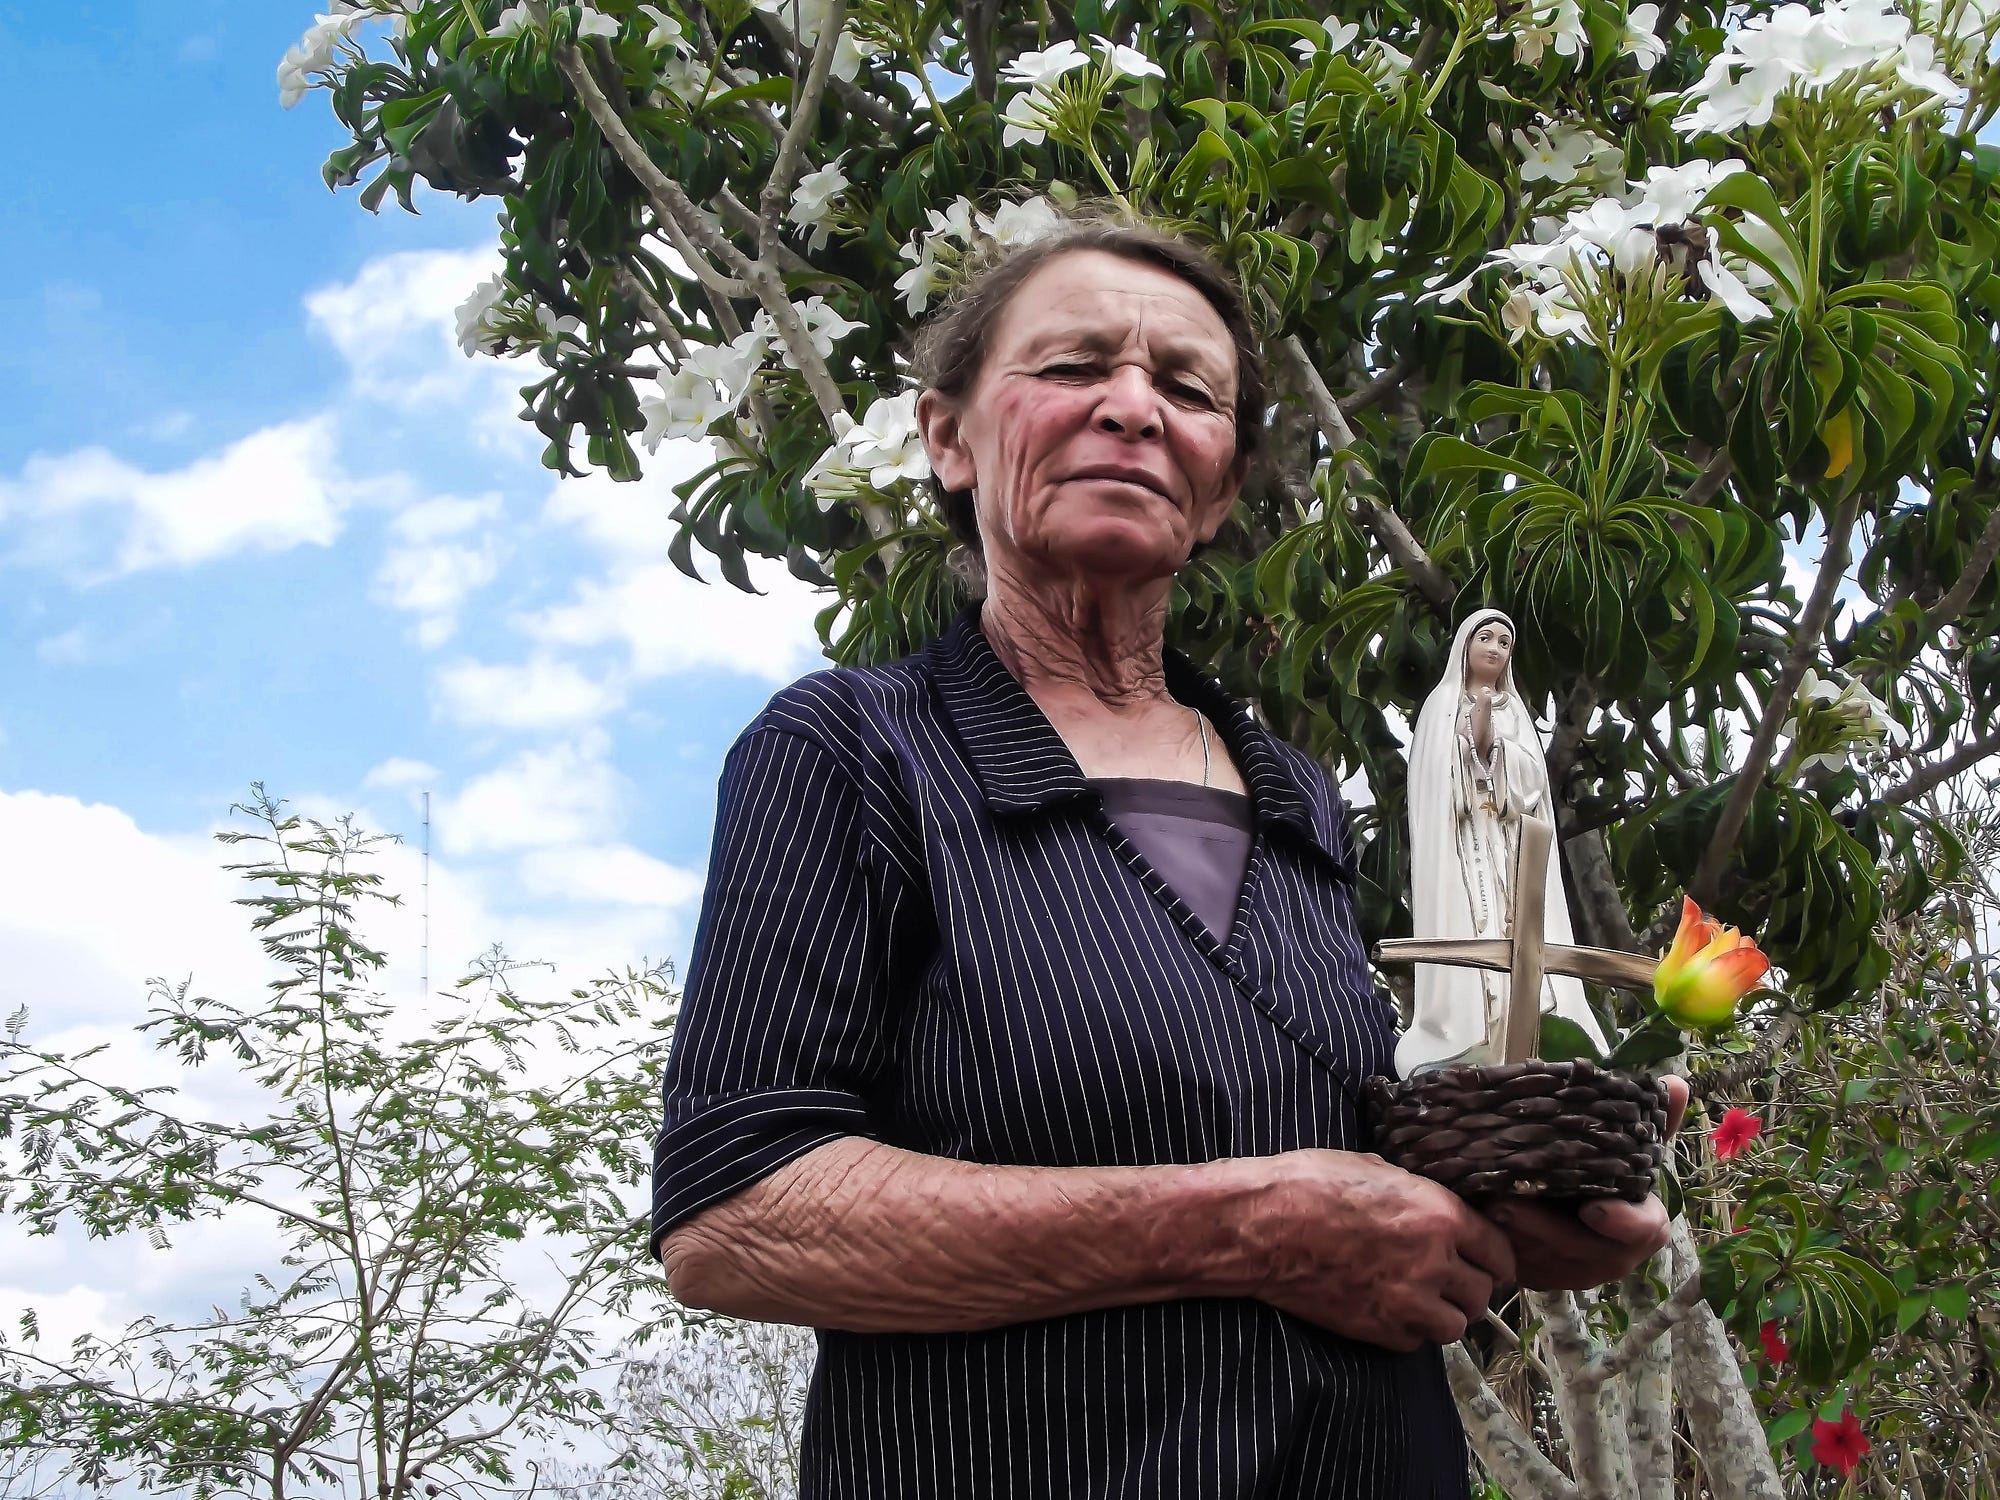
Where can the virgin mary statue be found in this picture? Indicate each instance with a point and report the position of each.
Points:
(1476, 770)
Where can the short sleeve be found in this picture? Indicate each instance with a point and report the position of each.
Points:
(782, 1033)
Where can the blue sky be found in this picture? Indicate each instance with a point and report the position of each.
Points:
(259, 519)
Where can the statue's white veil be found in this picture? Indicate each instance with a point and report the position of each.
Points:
(1450, 1013)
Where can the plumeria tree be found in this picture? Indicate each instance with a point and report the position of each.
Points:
(1667, 327)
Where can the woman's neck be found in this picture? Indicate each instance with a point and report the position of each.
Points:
(1065, 641)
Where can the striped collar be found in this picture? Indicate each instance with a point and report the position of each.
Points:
(1022, 763)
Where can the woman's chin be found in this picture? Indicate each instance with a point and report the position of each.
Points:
(1116, 552)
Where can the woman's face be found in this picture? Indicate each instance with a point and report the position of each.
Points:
(1487, 652)
(1100, 436)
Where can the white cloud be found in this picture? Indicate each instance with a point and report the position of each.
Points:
(666, 621)
(395, 325)
(669, 623)
(92, 514)
(91, 907)
(564, 794)
(444, 516)
(433, 581)
(398, 773)
(541, 693)
(616, 874)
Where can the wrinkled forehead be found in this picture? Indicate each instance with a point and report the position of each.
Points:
(1098, 303)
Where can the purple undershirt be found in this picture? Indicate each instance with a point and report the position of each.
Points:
(1196, 837)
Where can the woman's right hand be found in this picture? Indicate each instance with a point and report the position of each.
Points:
(1373, 1252)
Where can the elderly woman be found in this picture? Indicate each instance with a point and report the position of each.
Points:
(1027, 1014)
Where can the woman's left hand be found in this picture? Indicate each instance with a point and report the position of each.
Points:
(1556, 1251)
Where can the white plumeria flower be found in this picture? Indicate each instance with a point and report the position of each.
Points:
(666, 32)
(1391, 62)
(1558, 317)
(1556, 156)
(887, 443)
(812, 201)
(1037, 68)
(1014, 224)
(1917, 66)
(730, 366)
(1747, 100)
(1517, 313)
(1730, 291)
(1026, 119)
(849, 53)
(1445, 296)
(920, 283)
(314, 53)
(1874, 31)
(684, 78)
(478, 330)
(1126, 62)
(832, 479)
(804, 17)
(1642, 42)
(688, 404)
(1670, 195)
(1340, 36)
(1556, 23)
(954, 221)
(590, 22)
(512, 21)
(824, 328)
(1540, 162)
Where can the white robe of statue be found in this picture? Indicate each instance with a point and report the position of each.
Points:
(1465, 825)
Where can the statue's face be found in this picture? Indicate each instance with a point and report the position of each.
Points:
(1487, 652)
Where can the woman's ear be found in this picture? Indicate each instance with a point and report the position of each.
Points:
(944, 441)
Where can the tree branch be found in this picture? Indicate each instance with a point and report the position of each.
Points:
(1384, 524)
(1591, 1414)
(1642, 1335)
(1649, 1389)
(1508, 1452)
(1721, 1420)
(1812, 622)
(1713, 476)
(777, 194)
(1730, 1076)
(1378, 387)
(1984, 551)
(1939, 772)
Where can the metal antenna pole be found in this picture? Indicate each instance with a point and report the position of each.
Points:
(425, 980)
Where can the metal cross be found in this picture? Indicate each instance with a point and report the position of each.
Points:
(1524, 956)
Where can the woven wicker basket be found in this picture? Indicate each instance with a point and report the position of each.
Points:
(1565, 1130)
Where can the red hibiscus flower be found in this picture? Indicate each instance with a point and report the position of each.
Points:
(1839, 1445)
(1738, 1129)
(1775, 1347)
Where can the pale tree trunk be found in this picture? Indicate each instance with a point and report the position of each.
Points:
(1615, 1401)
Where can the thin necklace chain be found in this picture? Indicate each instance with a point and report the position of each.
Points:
(1201, 723)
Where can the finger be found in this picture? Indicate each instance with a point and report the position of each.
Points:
(1642, 1226)
(1440, 1322)
(1481, 1242)
(1677, 1102)
(1468, 1289)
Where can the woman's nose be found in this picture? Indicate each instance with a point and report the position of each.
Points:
(1129, 405)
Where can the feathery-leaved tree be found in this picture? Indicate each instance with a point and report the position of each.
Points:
(1669, 328)
(395, 1342)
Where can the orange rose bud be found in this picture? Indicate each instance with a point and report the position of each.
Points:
(1707, 971)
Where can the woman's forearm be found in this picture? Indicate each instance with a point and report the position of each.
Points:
(866, 1237)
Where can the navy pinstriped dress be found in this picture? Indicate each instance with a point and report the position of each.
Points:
(922, 926)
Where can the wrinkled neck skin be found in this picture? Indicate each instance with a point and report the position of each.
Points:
(1080, 646)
